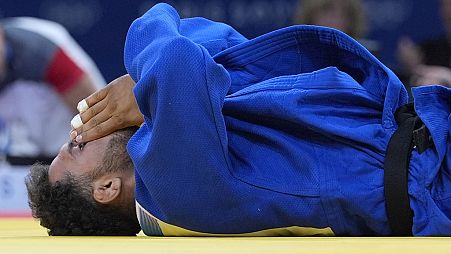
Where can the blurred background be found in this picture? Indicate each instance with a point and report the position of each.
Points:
(398, 32)
(100, 26)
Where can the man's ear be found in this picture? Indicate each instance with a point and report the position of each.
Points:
(107, 189)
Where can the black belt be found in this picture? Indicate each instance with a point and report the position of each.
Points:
(411, 133)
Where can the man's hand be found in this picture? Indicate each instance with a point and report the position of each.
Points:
(112, 108)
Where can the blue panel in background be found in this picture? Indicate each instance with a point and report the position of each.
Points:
(100, 26)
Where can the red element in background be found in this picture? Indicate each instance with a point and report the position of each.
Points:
(62, 72)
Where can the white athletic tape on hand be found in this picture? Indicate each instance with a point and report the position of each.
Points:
(82, 106)
(76, 121)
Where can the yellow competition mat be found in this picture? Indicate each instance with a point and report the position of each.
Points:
(26, 236)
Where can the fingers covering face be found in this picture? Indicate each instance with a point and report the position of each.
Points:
(82, 106)
(76, 122)
(91, 112)
(94, 116)
(96, 97)
(107, 110)
(97, 131)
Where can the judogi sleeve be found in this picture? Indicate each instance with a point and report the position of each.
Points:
(180, 153)
(213, 36)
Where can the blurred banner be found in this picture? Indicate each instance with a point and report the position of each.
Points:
(100, 27)
(13, 194)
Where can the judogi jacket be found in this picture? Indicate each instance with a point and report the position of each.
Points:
(284, 134)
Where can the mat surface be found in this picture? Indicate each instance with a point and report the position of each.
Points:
(26, 236)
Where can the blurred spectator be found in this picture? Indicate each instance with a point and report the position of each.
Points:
(345, 15)
(43, 75)
(430, 62)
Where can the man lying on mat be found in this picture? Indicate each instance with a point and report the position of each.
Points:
(290, 133)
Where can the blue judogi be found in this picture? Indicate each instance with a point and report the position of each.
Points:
(284, 134)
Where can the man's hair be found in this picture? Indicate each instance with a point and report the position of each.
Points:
(68, 208)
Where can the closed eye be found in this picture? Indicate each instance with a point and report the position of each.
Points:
(81, 146)
(72, 145)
